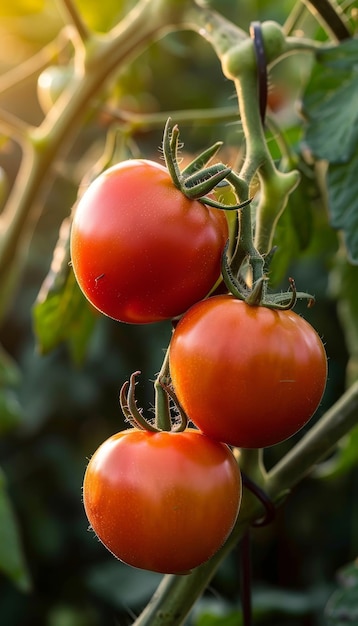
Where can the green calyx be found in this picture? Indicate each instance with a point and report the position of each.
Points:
(257, 294)
(164, 420)
(197, 179)
(245, 274)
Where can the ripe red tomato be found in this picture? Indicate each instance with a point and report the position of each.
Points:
(141, 250)
(163, 501)
(248, 376)
(52, 81)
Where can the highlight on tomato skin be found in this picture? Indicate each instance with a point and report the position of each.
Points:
(141, 250)
(247, 375)
(162, 501)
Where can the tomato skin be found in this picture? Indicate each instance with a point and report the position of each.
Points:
(51, 83)
(141, 250)
(277, 97)
(163, 501)
(248, 376)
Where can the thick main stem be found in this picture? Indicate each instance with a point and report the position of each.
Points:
(162, 407)
(245, 244)
(319, 441)
(275, 186)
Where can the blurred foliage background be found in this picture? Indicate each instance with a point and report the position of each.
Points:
(56, 409)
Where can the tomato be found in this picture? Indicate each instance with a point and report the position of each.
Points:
(141, 250)
(162, 501)
(246, 375)
(51, 83)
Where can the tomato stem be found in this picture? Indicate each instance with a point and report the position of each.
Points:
(245, 246)
(240, 64)
(163, 394)
(183, 418)
(237, 287)
(162, 405)
(129, 406)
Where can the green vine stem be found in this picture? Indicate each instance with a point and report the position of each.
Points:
(162, 407)
(316, 445)
(36, 63)
(275, 186)
(12, 126)
(245, 244)
(251, 463)
(239, 64)
(148, 121)
(176, 595)
(69, 9)
(294, 19)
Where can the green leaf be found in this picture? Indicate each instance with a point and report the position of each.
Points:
(342, 189)
(12, 561)
(231, 618)
(343, 285)
(61, 313)
(295, 228)
(329, 103)
(342, 607)
(64, 317)
(10, 410)
(300, 207)
(9, 371)
(11, 414)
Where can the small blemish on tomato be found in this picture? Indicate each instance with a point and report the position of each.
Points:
(98, 278)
